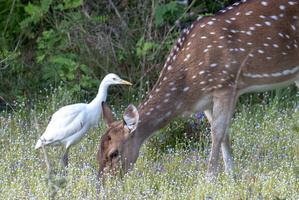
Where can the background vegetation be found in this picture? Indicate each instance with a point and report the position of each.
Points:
(74, 43)
(55, 52)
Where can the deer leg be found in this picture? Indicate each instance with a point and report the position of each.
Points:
(227, 153)
(223, 107)
(209, 114)
(65, 158)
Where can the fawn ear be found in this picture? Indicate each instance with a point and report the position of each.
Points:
(131, 118)
(107, 114)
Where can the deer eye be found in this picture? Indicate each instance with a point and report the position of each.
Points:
(114, 154)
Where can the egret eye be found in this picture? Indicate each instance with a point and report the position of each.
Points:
(114, 154)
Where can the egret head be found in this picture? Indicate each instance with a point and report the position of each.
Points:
(113, 79)
(117, 150)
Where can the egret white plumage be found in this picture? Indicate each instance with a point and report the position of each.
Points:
(70, 123)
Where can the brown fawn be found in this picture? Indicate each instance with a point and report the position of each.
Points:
(250, 46)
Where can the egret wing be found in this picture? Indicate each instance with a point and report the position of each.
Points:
(65, 122)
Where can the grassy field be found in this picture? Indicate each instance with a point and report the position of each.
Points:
(265, 141)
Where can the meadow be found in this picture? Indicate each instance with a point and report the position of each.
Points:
(265, 144)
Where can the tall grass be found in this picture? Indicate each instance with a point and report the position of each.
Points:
(265, 143)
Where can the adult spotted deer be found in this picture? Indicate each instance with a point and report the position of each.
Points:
(250, 46)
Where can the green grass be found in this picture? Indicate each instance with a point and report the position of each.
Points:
(265, 141)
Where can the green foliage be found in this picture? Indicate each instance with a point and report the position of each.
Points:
(67, 4)
(167, 13)
(35, 12)
(78, 42)
(186, 132)
(143, 49)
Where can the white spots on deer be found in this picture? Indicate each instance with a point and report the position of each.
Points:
(264, 3)
(236, 42)
(268, 23)
(274, 17)
(261, 51)
(210, 23)
(277, 74)
(275, 45)
(293, 27)
(187, 57)
(186, 89)
(262, 16)
(249, 13)
(173, 58)
(292, 3)
(282, 7)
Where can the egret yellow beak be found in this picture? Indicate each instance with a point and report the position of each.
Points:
(124, 82)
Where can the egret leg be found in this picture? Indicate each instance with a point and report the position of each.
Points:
(65, 158)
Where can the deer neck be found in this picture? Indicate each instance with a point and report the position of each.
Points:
(168, 100)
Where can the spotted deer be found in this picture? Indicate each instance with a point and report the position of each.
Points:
(247, 47)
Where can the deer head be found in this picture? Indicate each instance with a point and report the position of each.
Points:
(117, 149)
(250, 46)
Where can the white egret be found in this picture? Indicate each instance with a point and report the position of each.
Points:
(70, 123)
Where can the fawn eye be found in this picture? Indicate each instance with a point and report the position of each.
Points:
(114, 154)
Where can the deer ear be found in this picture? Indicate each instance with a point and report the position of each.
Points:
(131, 118)
(107, 114)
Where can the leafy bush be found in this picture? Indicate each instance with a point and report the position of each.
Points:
(49, 41)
